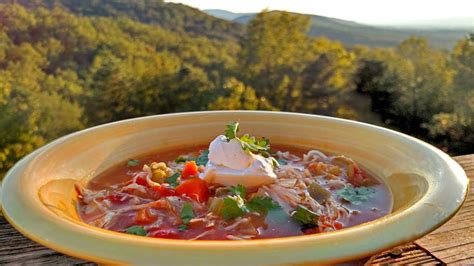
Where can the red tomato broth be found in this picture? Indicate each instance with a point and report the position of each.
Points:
(163, 224)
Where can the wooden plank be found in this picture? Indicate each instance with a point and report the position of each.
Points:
(408, 254)
(454, 241)
(17, 249)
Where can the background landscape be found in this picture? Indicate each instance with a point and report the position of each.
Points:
(441, 34)
(70, 64)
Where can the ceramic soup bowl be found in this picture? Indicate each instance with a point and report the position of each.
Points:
(38, 195)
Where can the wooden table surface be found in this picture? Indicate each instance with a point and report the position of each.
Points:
(452, 243)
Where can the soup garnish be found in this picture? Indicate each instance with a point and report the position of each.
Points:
(235, 189)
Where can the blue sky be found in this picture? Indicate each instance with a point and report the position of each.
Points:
(365, 11)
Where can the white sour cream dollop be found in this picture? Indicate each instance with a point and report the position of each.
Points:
(229, 165)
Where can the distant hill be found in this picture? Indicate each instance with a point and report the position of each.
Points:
(175, 17)
(351, 33)
(444, 23)
(224, 25)
(224, 14)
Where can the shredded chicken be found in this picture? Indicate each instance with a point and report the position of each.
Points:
(242, 237)
(237, 223)
(201, 235)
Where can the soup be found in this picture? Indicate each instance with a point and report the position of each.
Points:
(236, 188)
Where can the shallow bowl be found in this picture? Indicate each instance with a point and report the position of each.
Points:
(38, 198)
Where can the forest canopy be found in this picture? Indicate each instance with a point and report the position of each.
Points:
(65, 66)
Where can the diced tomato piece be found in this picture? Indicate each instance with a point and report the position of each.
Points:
(359, 178)
(142, 181)
(194, 188)
(164, 191)
(144, 216)
(164, 233)
(338, 225)
(358, 172)
(161, 204)
(190, 170)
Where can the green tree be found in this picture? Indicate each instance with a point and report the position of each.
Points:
(327, 79)
(272, 53)
(30, 114)
(429, 86)
(455, 130)
(408, 84)
(237, 96)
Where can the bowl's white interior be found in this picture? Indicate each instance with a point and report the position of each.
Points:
(416, 173)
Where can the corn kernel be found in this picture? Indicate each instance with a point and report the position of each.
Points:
(159, 172)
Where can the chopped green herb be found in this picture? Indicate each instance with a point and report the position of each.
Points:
(275, 162)
(136, 230)
(182, 228)
(304, 216)
(239, 190)
(233, 207)
(133, 162)
(187, 213)
(173, 180)
(250, 143)
(356, 195)
(180, 160)
(262, 204)
(203, 158)
(282, 161)
(231, 130)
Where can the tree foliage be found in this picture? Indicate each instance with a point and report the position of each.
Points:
(423, 91)
(66, 65)
(176, 17)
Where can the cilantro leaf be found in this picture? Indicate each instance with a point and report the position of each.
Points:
(275, 162)
(262, 204)
(180, 160)
(304, 216)
(239, 190)
(133, 162)
(282, 161)
(231, 130)
(250, 143)
(187, 213)
(173, 180)
(136, 230)
(182, 228)
(203, 158)
(233, 207)
(356, 195)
